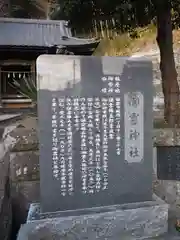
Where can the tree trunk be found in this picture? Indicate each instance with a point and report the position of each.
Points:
(4, 12)
(167, 65)
(4, 8)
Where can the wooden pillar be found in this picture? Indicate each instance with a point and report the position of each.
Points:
(33, 71)
(33, 74)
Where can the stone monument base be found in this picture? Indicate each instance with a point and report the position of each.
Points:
(144, 220)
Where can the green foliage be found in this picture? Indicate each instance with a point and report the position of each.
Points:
(128, 14)
(28, 89)
(29, 8)
(176, 13)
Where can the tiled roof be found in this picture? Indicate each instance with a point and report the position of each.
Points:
(32, 32)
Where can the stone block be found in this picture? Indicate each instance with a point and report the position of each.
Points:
(25, 166)
(4, 171)
(5, 211)
(164, 137)
(128, 221)
(6, 144)
(27, 140)
(167, 190)
(30, 190)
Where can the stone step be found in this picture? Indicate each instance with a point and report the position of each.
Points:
(7, 118)
(172, 234)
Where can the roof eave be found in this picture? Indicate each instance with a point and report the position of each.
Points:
(74, 46)
(81, 45)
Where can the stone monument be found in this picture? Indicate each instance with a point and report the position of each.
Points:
(168, 164)
(95, 124)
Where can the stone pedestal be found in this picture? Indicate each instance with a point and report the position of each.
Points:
(143, 220)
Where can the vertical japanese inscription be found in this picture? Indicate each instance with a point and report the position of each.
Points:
(118, 124)
(105, 142)
(55, 157)
(97, 121)
(111, 117)
(62, 141)
(69, 144)
(83, 145)
(111, 84)
(90, 144)
(76, 113)
(97, 107)
(134, 126)
(61, 145)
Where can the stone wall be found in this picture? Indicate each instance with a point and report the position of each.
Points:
(19, 174)
(24, 170)
(25, 165)
(6, 144)
(165, 189)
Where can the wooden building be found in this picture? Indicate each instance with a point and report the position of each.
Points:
(21, 42)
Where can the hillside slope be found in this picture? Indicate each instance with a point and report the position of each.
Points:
(143, 40)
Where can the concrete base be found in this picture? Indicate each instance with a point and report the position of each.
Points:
(146, 220)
